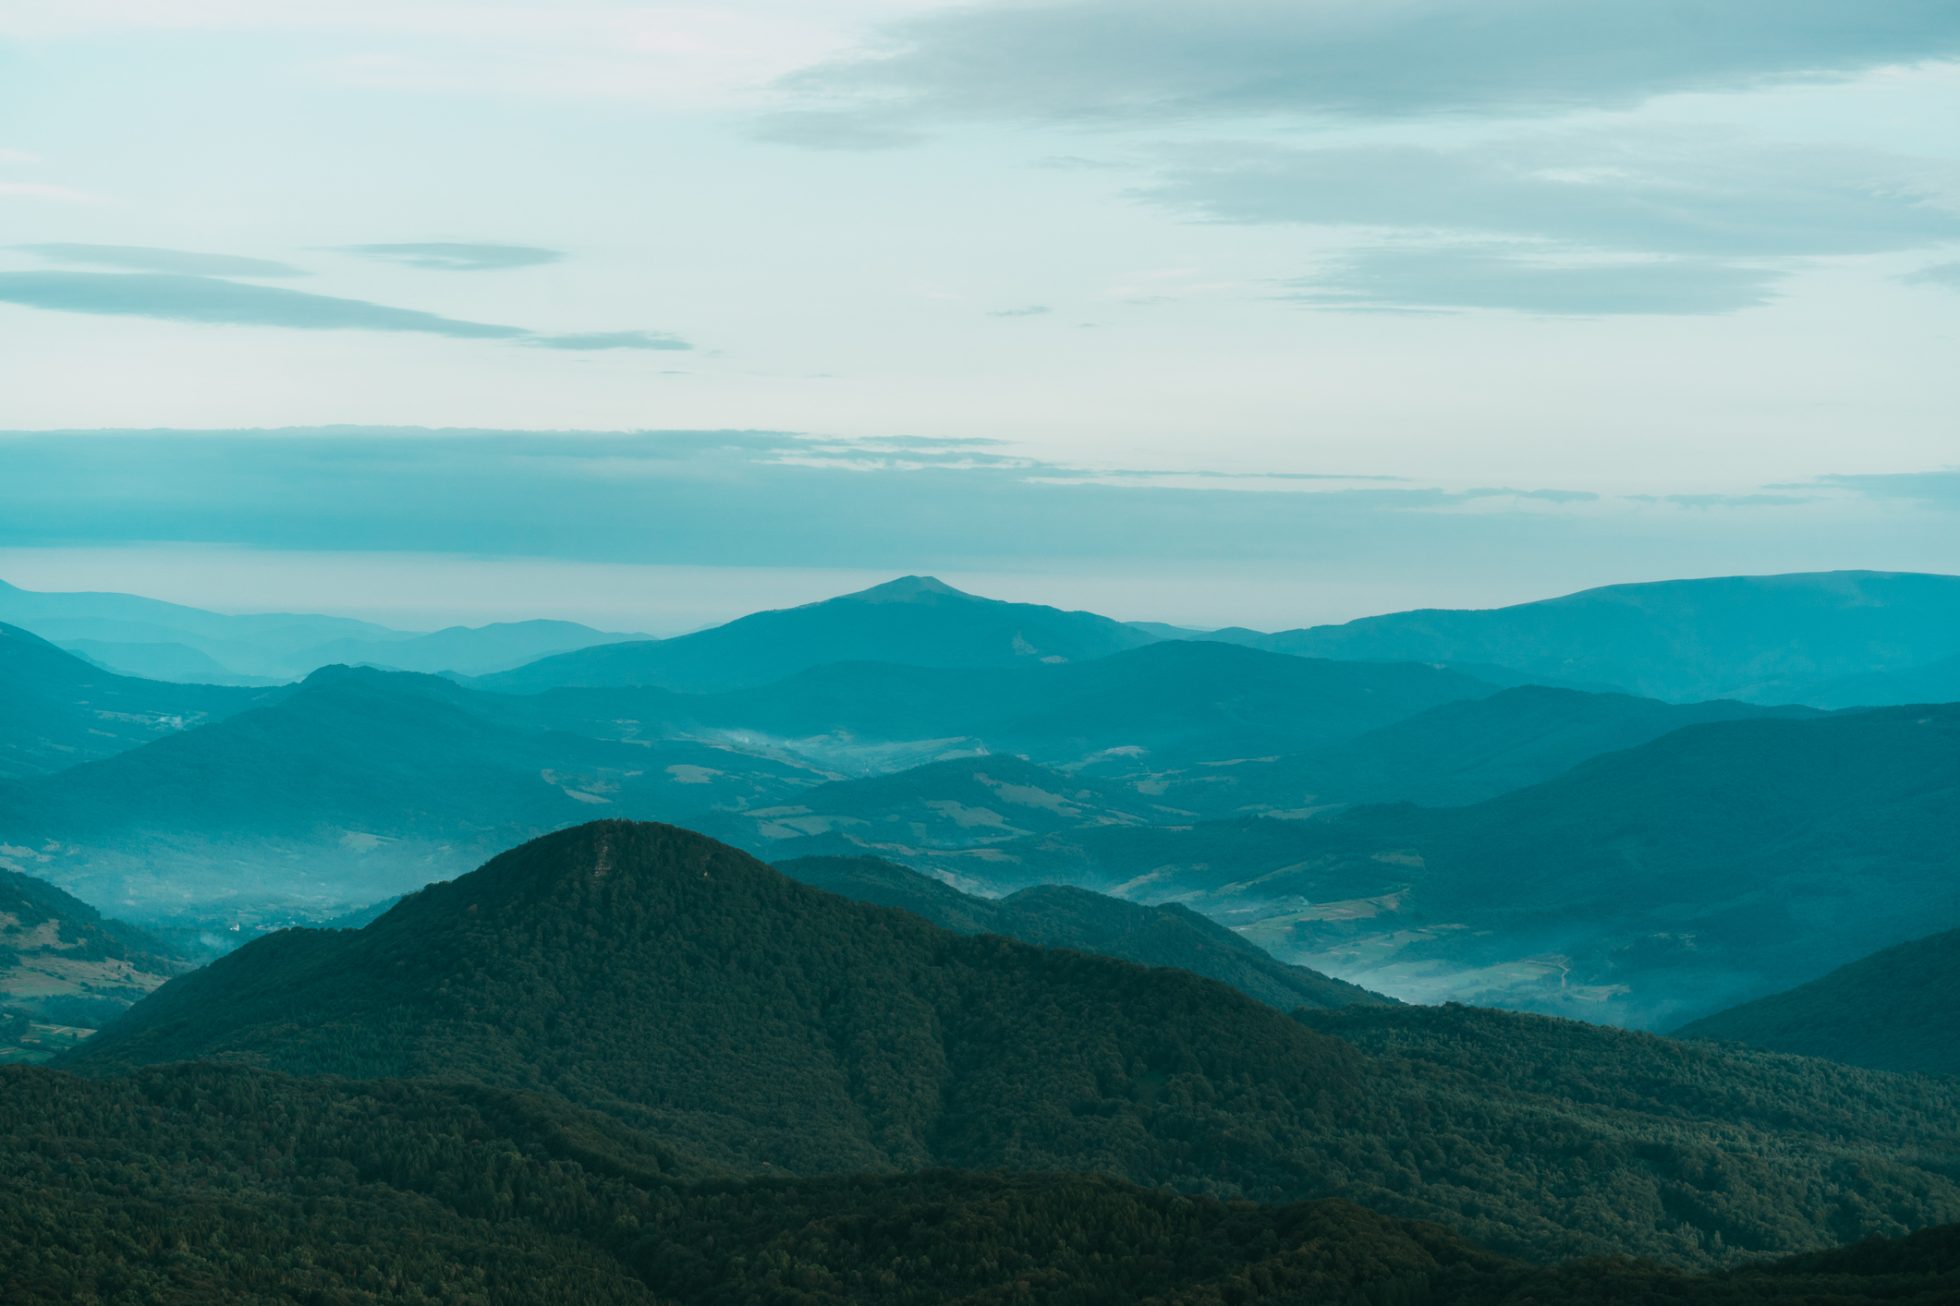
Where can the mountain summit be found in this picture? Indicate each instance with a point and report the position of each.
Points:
(913, 620)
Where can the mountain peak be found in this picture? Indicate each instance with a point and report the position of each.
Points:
(910, 589)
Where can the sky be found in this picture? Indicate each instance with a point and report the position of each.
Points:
(1196, 310)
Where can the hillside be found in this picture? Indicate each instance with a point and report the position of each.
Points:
(1764, 639)
(1931, 682)
(1055, 916)
(756, 1023)
(64, 969)
(217, 1184)
(57, 710)
(915, 621)
(1715, 864)
(1896, 1010)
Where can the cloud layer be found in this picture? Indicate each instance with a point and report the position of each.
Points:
(456, 256)
(1103, 61)
(209, 300)
(151, 258)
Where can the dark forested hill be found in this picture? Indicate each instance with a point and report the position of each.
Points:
(220, 1184)
(1058, 917)
(915, 620)
(57, 710)
(1896, 1010)
(1767, 639)
(759, 1024)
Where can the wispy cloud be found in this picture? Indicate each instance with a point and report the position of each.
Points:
(456, 256)
(1024, 310)
(151, 258)
(44, 190)
(1940, 274)
(1123, 61)
(1452, 277)
(586, 341)
(216, 301)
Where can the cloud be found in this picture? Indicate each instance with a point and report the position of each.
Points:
(1708, 501)
(1120, 61)
(149, 258)
(1656, 193)
(1496, 277)
(214, 301)
(1025, 310)
(456, 256)
(595, 340)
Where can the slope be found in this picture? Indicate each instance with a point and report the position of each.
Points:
(1896, 1010)
(1055, 916)
(57, 710)
(64, 969)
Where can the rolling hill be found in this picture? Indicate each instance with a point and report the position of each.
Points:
(1718, 863)
(1054, 916)
(762, 1026)
(1896, 1010)
(1763, 639)
(57, 710)
(915, 621)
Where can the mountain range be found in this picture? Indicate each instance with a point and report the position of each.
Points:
(146, 637)
(755, 1025)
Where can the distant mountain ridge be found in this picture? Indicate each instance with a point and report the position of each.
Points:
(151, 638)
(914, 621)
(1763, 639)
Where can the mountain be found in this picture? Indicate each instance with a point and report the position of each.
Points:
(1459, 752)
(762, 1026)
(356, 785)
(147, 637)
(1718, 863)
(1896, 1010)
(915, 620)
(1763, 639)
(1931, 682)
(1055, 916)
(65, 970)
(217, 1184)
(57, 710)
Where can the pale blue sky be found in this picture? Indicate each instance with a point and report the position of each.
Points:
(1662, 261)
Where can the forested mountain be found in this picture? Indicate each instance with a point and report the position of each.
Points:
(1764, 639)
(1717, 863)
(1055, 916)
(169, 641)
(210, 1183)
(1896, 1010)
(915, 621)
(57, 710)
(1931, 682)
(64, 968)
(758, 1024)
